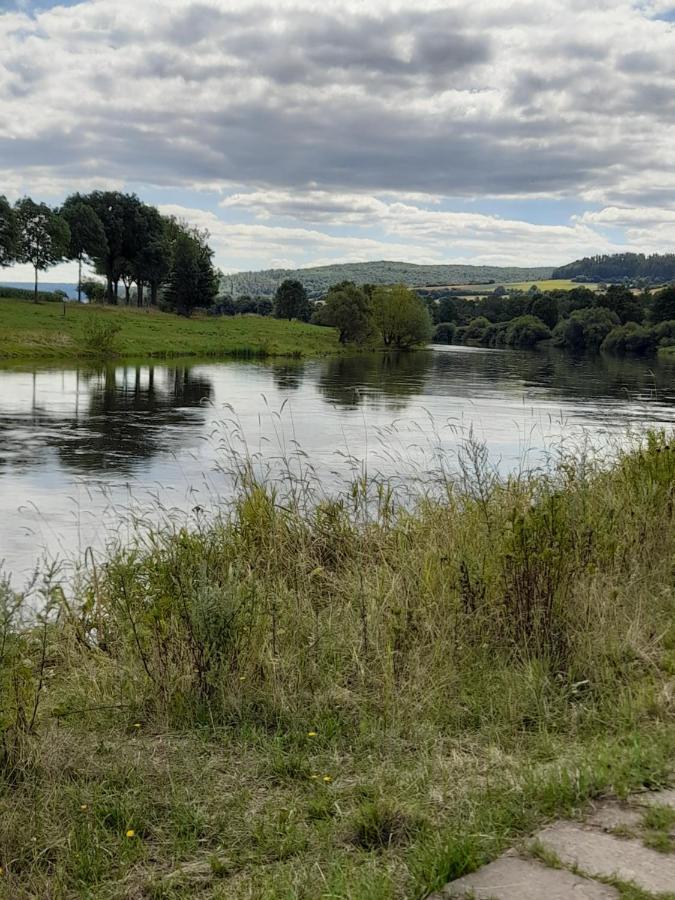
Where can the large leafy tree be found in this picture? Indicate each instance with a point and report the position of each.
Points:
(43, 236)
(8, 233)
(663, 305)
(291, 301)
(87, 235)
(350, 310)
(400, 316)
(192, 280)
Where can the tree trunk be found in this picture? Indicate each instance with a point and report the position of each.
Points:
(139, 298)
(79, 279)
(35, 298)
(154, 292)
(109, 286)
(116, 289)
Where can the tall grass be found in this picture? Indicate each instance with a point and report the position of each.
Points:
(533, 611)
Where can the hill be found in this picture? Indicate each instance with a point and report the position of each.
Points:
(318, 279)
(654, 269)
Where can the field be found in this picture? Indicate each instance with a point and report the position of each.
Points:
(42, 331)
(550, 285)
(314, 697)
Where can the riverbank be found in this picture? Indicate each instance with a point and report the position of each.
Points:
(354, 702)
(43, 332)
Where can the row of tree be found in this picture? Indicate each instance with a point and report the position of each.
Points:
(621, 266)
(616, 320)
(125, 240)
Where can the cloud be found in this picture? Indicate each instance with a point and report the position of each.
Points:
(314, 116)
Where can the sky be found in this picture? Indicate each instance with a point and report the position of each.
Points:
(506, 132)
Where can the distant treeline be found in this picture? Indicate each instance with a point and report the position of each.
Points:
(125, 239)
(318, 280)
(654, 269)
(616, 321)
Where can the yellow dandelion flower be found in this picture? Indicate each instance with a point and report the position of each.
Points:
(131, 833)
(311, 734)
(328, 778)
(83, 807)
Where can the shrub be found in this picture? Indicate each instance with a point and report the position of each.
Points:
(526, 331)
(629, 339)
(585, 329)
(99, 336)
(444, 333)
(476, 329)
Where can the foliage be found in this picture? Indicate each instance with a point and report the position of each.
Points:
(87, 235)
(9, 233)
(545, 308)
(290, 301)
(318, 279)
(525, 332)
(477, 329)
(233, 709)
(444, 333)
(43, 237)
(630, 338)
(192, 280)
(620, 266)
(585, 329)
(93, 290)
(400, 317)
(100, 336)
(350, 310)
(663, 305)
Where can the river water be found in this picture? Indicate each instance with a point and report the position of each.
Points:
(81, 449)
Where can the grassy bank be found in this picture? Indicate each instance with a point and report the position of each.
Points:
(42, 331)
(344, 700)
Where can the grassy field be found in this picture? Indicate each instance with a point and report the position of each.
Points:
(329, 698)
(29, 331)
(550, 285)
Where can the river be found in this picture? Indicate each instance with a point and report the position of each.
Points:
(82, 449)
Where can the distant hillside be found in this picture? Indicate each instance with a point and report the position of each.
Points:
(317, 280)
(620, 267)
(47, 286)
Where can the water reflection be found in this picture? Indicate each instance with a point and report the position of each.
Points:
(102, 438)
(106, 419)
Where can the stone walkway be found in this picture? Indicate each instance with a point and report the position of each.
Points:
(617, 845)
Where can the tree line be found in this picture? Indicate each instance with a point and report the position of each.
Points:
(621, 266)
(616, 320)
(126, 240)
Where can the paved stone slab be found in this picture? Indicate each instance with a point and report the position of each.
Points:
(597, 853)
(613, 814)
(511, 878)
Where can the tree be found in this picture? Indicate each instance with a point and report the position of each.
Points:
(545, 308)
(349, 310)
(525, 332)
(291, 302)
(192, 280)
(87, 235)
(9, 233)
(93, 290)
(631, 338)
(444, 333)
(585, 329)
(663, 305)
(622, 301)
(43, 236)
(401, 317)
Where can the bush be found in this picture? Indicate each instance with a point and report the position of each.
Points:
(585, 329)
(629, 339)
(401, 317)
(476, 329)
(526, 331)
(444, 333)
(99, 336)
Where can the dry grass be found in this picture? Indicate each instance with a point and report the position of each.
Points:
(342, 698)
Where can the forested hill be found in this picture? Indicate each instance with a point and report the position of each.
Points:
(317, 280)
(620, 267)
